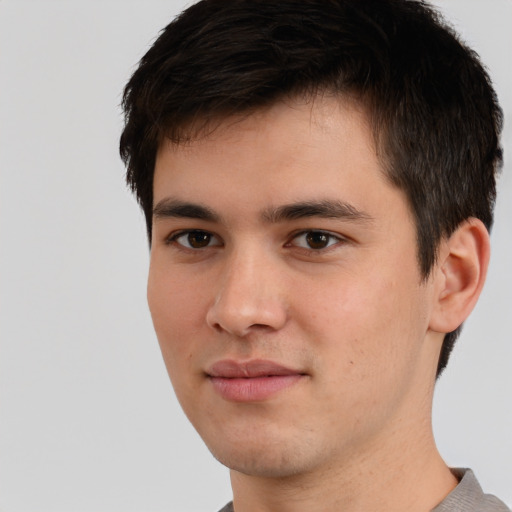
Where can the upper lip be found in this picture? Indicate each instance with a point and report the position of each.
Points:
(231, 369)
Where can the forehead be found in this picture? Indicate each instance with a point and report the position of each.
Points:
(295, 146)
(296, 151)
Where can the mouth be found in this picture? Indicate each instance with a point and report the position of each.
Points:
(251, 381)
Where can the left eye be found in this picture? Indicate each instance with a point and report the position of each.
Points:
(315, 240)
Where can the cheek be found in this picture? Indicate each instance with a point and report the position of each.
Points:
(176, 310)
(369, 324)
(367, 340)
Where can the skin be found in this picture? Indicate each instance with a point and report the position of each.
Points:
(355, 318)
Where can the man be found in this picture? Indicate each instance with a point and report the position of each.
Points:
(318, 180)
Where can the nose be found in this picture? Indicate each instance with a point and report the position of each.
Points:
(249, 296)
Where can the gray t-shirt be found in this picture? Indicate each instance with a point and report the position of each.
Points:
(466, 497)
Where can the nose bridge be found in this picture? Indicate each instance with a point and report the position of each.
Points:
(248, 294)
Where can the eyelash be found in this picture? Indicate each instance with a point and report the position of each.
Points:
(173, 239)
(332, 240)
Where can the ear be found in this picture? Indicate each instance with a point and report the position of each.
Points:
(459, 275)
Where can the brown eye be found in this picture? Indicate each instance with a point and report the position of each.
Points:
(195, 239)
(198, 239)
(317, 239)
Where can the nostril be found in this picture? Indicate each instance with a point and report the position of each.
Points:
(260, 327)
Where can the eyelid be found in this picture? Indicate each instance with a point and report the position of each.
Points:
(336, 236)
(173, 238)
(334, 239)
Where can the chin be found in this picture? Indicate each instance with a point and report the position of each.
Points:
(266, 460)
(260, 465)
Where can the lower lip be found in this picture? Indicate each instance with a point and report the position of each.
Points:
(253, 389)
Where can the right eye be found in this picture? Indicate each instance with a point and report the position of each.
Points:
(195, 239)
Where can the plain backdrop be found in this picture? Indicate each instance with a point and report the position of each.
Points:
(88, 420)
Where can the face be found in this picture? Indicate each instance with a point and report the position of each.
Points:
(285, 290)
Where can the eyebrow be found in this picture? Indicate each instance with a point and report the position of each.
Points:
(173, 208)
(326, 208)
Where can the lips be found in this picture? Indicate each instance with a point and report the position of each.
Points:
(251, 381)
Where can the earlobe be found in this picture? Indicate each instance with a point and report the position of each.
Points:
(460, 275)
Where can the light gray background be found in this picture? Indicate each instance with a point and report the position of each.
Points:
(88, 421)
